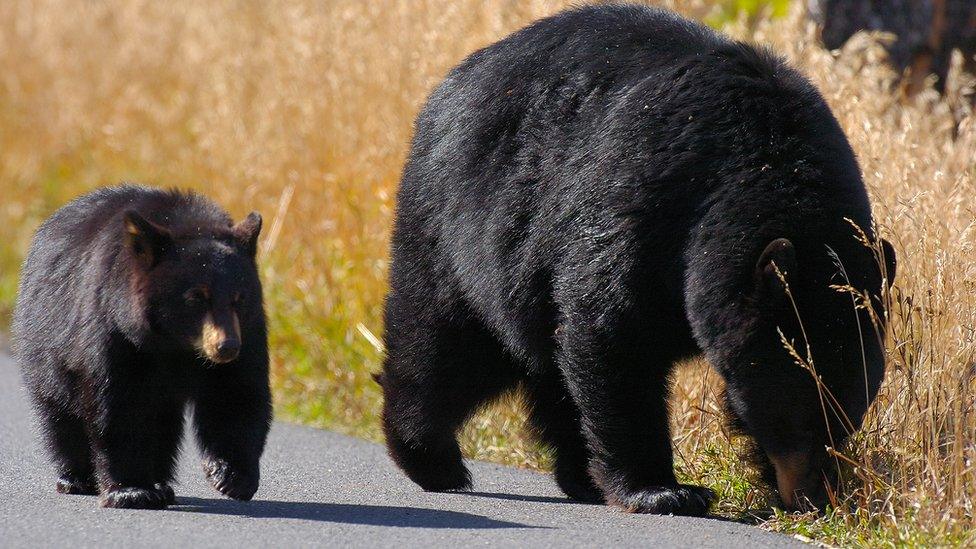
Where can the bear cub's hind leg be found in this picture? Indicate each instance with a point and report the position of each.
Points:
(170, 437)
(68, 443)
(135, 448)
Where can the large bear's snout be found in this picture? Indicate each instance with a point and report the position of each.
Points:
(800, 481)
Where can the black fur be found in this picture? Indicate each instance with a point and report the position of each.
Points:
(596, 197)
(107, 329)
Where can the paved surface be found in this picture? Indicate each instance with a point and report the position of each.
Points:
(323, 489)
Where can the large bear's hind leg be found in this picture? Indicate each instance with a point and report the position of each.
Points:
(438, 371)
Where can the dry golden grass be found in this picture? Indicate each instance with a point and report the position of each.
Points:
(302, 110)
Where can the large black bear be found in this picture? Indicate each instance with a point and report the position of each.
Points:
(599, 196)
(134, 301)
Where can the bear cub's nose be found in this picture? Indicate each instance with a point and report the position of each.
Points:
(227, 350)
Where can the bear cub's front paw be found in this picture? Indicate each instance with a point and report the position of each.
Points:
(683, 499)
(129, 497)
(168, 494)
(72, 484)
(233, 482)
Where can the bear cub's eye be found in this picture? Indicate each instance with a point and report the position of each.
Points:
(196, 295)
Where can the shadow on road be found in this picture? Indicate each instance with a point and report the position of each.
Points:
(521, 497)
(750, 516)
(373, 515)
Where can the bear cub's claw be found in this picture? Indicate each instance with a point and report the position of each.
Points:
(72, 484)
(134, 498)
(684, 499)
(168, 494)
(231, 481)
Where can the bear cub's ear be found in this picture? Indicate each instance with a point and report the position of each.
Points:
(246, 233)
(146, 239)
(779, 254)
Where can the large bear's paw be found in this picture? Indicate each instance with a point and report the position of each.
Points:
(128, 497)
(683, 499)
(453, 477)
(435, 465)
(73, 484)
(233, 482)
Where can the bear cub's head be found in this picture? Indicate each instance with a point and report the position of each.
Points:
(195, 289)
(801, 377)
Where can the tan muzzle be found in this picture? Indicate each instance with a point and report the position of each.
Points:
(794, 479)
(220, 338)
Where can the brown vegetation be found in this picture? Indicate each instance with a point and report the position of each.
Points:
(302, 110)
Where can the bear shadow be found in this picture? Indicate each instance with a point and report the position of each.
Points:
(751, 517)
(530, 499)
(347, 513)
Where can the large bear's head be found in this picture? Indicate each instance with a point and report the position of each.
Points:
(802, 373)
(194, 291)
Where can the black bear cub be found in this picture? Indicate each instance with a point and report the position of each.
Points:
(599, 196)
(133, 303)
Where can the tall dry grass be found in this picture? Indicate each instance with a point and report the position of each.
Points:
(302, 110)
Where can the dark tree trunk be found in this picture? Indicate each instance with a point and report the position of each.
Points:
(927, 31)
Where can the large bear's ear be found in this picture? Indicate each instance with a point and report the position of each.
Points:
(778, 255)
(146, 239)
(246, 233)
(888, 252)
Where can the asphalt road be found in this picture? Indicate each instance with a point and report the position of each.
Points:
(320, 488)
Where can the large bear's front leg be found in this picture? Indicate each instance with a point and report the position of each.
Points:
(232, 415)
(616, 358)
(555, 419)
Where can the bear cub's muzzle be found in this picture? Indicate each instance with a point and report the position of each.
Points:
(220, 339)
